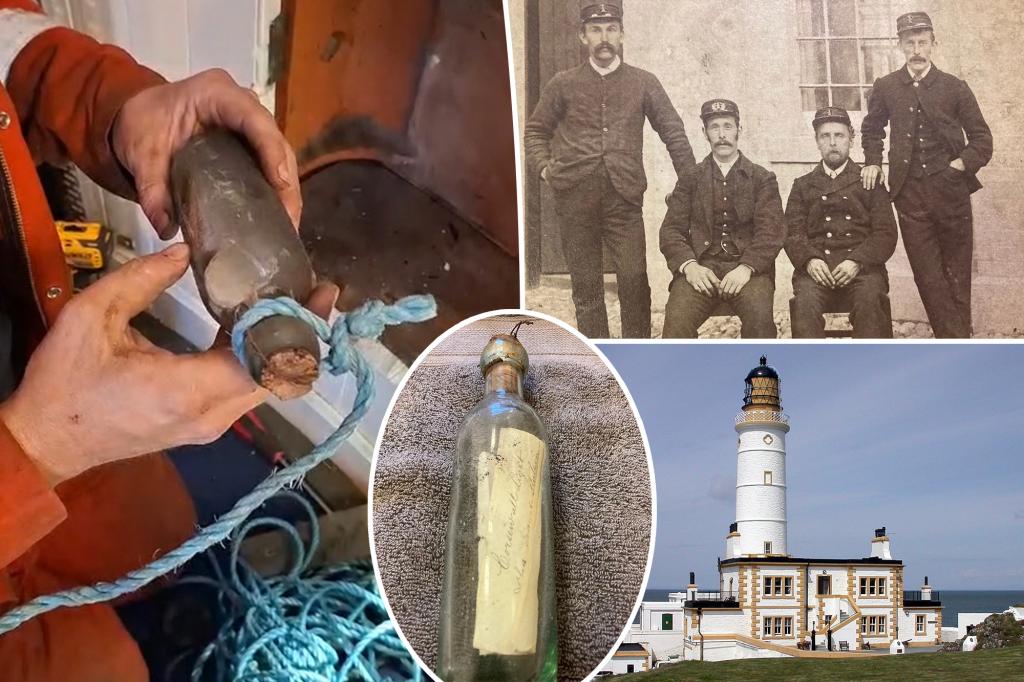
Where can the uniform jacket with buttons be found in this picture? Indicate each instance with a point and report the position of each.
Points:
(584, 119)
(948, 102)
(837, 220)
(689, 228)
(59, 96)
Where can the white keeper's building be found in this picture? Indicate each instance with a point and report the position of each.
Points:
(769, 603)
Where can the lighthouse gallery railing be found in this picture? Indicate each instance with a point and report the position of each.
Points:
(769, 416)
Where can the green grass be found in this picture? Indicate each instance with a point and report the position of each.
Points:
(997, 664)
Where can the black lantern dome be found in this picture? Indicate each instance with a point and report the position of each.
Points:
(763, 389)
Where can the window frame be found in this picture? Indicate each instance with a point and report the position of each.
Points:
(768, 477)
(777, 586)
(858, 39)
(872, 587)
(920, 624)
(767, 547)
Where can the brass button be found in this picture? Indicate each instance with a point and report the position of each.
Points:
(828, 235)
(5, 120)
(54, 292)
(828, 219)
(827, 252)
(824, 198)
(707, 243)
(848, 218)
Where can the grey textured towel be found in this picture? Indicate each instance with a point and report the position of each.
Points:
(600, 481)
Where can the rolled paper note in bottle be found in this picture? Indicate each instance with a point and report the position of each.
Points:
(498, 601)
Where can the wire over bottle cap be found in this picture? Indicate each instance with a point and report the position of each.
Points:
(506, 348)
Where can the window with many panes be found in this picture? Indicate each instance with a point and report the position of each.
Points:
(844, 46)
(777, 626)
(919, 627)
(872, 587)
(872, 625)
(778, 586)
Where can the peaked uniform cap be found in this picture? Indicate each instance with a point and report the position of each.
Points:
(719, 107)
(596, 11)
(913, 21)
(831, 115)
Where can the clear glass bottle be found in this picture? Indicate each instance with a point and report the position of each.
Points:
(498, 601)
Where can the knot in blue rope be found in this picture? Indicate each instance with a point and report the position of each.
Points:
(366, 322)
(300, 626)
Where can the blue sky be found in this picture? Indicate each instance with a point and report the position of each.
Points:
(927, 440)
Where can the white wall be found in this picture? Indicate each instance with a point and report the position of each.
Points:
(620, 665)
(761, 509)
(965, 620)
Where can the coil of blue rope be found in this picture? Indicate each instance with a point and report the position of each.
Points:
(367, 322)
(324, 625)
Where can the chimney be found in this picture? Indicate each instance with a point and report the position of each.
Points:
(926, 590)
(732, 542)
(691, 589)
(880, 545)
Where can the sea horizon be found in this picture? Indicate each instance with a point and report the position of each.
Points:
(954, 602)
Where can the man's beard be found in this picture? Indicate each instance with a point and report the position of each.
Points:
(835, 164)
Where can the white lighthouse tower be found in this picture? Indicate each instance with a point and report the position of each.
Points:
(760, 528)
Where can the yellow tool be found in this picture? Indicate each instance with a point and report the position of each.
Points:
(87, 246)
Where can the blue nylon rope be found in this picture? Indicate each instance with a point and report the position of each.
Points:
(326, 625)
(367, 322)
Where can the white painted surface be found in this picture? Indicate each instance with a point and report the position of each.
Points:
(965, 620)
(622, 665)
(761, 507)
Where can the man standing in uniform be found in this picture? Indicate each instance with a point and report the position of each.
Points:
(722, 232)
(932, 171)
(585, 139)
(839, 238)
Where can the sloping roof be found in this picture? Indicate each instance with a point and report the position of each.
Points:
(632, 646)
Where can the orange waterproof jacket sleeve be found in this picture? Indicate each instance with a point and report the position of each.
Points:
(68, 89)
(29, 508)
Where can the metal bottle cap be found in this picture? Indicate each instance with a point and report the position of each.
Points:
(504, 348)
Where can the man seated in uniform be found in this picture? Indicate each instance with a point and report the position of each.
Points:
(839, 238)
(722, 232)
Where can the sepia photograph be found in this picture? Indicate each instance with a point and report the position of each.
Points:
(780, 169)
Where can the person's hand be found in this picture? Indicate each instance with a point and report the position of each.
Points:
(845, 273)
(819, 272)
(157, 122)
(735, 280)
(544, 174)
(870, 175)
(702, 279)
(97, 391)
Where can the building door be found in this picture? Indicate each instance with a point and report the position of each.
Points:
(552, 45)
(630, 668)
(666, 621)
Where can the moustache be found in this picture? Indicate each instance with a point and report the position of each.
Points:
(723, 143)
(918, 59)
(605, 46)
